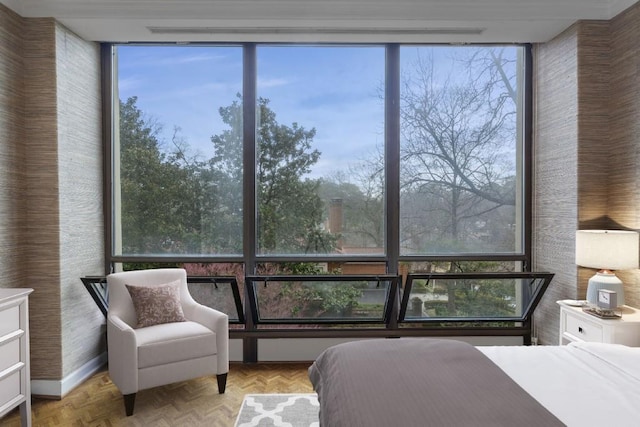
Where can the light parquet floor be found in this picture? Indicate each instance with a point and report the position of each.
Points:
(98, 403)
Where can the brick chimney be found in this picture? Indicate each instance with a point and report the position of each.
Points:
(335, 216)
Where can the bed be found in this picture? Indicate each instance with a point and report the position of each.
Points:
(438, 382)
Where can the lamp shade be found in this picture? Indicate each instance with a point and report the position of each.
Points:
(607, 249)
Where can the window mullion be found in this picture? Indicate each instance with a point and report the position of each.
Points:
(249, 83)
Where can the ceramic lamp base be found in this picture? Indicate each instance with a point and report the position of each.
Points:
(604, 281)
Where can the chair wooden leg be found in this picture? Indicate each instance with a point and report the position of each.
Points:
(129, 402)
(222, 382)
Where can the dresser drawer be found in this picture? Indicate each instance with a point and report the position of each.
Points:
(582, 329)
(9, 354)
(10, 389)
(9, 320)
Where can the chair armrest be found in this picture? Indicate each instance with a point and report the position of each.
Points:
(123, 354)
(218, 322)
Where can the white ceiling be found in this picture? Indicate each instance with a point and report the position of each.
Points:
(451, 21)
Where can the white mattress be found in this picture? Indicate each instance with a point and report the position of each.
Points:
(583, 384)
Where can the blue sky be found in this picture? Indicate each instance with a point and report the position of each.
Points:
(180, 86)
(334, 89)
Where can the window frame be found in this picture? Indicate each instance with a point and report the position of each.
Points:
(390, 257)
(534, 296)
(253, 283)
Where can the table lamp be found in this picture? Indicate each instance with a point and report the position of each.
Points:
(606, 250)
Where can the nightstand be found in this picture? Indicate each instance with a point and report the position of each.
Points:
(576, 325)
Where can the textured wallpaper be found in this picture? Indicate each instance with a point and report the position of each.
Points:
(587, 138)
(624, 160)
(555, 186)
(51, 221)
(12, 187)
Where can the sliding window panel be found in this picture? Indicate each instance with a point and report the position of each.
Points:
(177, 152)
(320, 147)
(461, 145)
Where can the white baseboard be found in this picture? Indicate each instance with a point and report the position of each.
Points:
(57, 389)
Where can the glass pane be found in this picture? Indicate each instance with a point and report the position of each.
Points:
(470, 297)
(318, 299)
(218, 294)
(461, 121)
(320, 181)
(219, 286)
(351, 268)
(178, 150)
(459, 266)
(97, 288)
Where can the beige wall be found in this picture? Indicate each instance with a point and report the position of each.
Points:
(624, 188)
(587, 133)
(12, 153)
(51, 222)
(555, 173)
(81, 224)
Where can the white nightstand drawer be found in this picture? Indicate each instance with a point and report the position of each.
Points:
(583, 330)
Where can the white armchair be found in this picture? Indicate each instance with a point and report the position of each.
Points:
(163, 353)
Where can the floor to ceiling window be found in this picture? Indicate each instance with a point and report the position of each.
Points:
(271, 159)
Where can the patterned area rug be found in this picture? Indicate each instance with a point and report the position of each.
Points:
(279, 410)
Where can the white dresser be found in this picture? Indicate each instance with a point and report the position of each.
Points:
(576, 325)
(15, 388)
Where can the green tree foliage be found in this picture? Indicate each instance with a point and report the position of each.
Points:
(290, 211)
(161, 210)
(462, 298)
(226, 177)
(173, 202)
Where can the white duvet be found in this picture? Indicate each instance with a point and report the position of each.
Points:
(583, 384)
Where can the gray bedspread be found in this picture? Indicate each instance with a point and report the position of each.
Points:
(418, 382)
